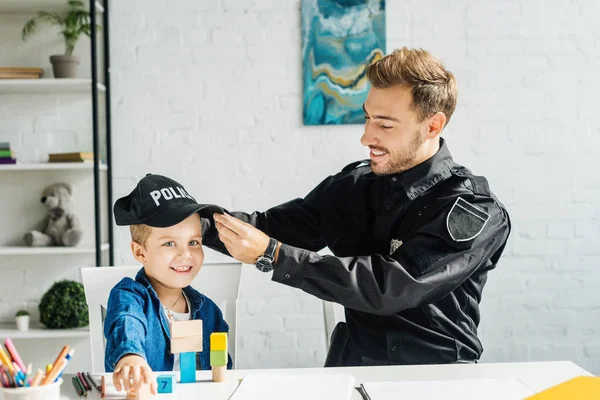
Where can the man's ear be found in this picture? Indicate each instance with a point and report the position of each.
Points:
(139, 252)
(435, 125)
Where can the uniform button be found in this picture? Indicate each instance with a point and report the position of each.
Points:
(387, 207)
(287, 276)
(394, 178)
(420, 212)
(393, 348)
(425, 206)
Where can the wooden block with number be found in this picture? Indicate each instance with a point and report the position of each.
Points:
(218, 341)
(186, 336)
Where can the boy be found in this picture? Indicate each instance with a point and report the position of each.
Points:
(166, 234)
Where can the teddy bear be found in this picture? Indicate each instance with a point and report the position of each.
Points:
(62, 227)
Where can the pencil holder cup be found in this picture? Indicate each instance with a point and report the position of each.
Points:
(45, 392)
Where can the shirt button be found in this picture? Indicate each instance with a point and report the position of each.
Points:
(287, 276)
(420, 212)
(393, 348)
(387, 207)
(394, 178)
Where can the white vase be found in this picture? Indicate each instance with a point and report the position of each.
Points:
(23, 323)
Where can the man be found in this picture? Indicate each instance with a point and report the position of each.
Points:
(413, 233)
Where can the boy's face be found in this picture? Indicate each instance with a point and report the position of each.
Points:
(172, 256)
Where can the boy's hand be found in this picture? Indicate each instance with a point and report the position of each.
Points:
(131, 372)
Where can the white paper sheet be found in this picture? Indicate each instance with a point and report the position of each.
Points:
(280, 386)
(468, 389)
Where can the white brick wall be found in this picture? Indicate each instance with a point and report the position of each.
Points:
(210, 93)
(218, 86)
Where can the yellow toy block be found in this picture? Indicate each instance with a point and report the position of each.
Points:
(218, 341)
(580, 388)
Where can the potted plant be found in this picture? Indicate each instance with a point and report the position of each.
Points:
(63, 306)
(73, 22)
(22, 318)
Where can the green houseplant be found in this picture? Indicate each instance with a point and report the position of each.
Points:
(63, 306)
(73, 22)
(22, 320)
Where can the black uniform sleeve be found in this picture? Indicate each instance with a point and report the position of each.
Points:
(295, 222)
(427, 267)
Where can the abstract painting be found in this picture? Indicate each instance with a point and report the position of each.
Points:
(339, 39)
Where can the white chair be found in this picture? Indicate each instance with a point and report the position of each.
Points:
(333, 313)
(219, 281)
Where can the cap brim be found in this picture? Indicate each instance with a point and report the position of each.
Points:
(173, 217)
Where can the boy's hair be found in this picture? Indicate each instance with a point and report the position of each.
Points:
(433, 87)
(140, 233)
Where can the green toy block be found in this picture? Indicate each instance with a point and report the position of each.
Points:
(218, 358)
(218, 341)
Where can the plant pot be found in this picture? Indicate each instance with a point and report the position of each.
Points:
(23, 323)
(64, 66)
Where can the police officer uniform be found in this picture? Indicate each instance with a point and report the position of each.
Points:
(412, 253)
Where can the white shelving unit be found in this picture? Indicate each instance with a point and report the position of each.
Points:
(34, 269)
(40, 332)
(48, 85)
(32, 6)
(41, 251)
(49, 167)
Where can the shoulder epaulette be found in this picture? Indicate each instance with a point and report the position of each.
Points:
(356, 164)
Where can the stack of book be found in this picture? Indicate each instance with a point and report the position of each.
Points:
(20, 73)
(82, 156)
(6, 154)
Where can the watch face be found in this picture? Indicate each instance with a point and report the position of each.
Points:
(264, 264)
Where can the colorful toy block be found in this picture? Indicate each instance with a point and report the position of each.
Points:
(187, 367)
(218, 355)
(166, 383)
(218, 341)
(218, 358)
(186, 336)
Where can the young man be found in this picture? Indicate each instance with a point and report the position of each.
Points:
(413, 233)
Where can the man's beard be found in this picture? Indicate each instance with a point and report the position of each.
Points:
(400, 160)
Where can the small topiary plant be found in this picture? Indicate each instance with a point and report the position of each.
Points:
(21, 313)
(63, 306)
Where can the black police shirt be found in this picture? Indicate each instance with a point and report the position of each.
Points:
(412, 253)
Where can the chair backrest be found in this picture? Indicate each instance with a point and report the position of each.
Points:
(333, 313)
(219, 281)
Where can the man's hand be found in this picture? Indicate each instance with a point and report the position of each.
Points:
(131, 372)
(243, 241)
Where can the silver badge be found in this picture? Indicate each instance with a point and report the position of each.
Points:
(394, 245)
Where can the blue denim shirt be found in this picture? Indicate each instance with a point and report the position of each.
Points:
(136, 324)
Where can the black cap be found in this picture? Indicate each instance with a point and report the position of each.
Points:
(160, 202)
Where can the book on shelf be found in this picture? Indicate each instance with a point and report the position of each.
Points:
(4, 146)
(82, 156)
(8, 161)
(20, 73)
(5, 153)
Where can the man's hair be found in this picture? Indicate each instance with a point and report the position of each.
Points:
(140, 233)
(433, 87)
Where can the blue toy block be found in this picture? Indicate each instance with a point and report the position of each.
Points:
(166, 383)
(187, 367)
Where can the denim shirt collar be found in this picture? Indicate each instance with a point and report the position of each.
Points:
(195, 299)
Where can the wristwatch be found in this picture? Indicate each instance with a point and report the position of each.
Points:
(265, 261)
